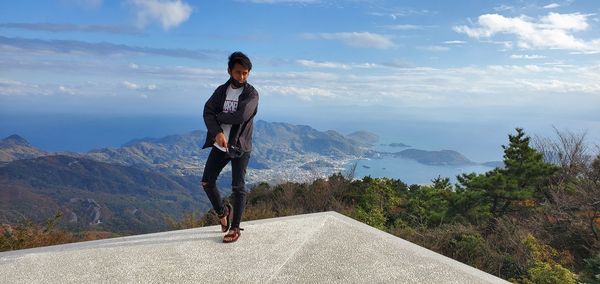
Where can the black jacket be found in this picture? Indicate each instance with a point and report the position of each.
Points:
(242, 120)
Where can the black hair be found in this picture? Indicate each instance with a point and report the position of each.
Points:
(239, 58)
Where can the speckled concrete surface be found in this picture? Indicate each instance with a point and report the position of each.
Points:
(312, 248)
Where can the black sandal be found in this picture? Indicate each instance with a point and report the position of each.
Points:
(226, 213)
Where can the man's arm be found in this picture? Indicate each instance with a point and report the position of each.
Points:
(210, 115)
(245, 109)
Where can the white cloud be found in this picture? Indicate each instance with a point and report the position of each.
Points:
(506, 45)
(331, 82)
(404, 27)
(496, 85)
(435, 48)
(12, 87)
(134, 86)
(19, 88)
(552, 6)
(56, 28)
(169, 13)
(527, 56)
(131, 86)
(367, 65)
(335, 65)
(509, 85)
(304, 93)
(322, 64)
(575, 22)
(553, 31)
(396, 13)
(455, 42)
(560, 86)
(355, 39)
(297, 76)
(38, 47)
(503, 8)
(65, 90)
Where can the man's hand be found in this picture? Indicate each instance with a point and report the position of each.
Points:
(221, 140)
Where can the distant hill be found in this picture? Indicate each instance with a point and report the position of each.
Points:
(363, 137)
(273, 143)
(15, 147)
(399, 145)
(175, 154)
(494, 164)
(277, 141)
(435, 158)
(95, 195)
(279, 153)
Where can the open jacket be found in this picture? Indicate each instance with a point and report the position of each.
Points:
(242, 120)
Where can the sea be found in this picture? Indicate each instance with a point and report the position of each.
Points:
(407, 170)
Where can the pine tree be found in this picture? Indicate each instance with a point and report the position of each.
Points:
(521, 182)
(527, 172)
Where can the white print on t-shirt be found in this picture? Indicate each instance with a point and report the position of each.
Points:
(230, 105)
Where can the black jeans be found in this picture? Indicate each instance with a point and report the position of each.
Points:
(215, 163)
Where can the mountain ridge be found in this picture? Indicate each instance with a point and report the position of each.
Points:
(15, 147)
(95, 194)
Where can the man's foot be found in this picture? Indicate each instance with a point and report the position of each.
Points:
(224, 219)
(232, 236)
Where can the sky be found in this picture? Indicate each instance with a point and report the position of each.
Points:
(334, 64)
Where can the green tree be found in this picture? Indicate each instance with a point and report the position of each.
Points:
(544, 268)
(377, 200)
(429, 206)
(592, 270)
(525, 167)
(523, 180)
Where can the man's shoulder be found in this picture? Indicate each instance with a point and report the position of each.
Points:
(251, 90)
(221, 90)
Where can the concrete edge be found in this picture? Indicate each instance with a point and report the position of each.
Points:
(85, 244)
(328, 214)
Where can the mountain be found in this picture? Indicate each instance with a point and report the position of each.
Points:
(363, 137)
(282, 152)
(399, 145)
(95, 194)
(175, 154)
(494, 164)
(15, 147)
(279, 141)
(434, 158)
(273, 144)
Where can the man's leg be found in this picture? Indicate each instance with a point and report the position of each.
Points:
(238, 186)
(215, 163)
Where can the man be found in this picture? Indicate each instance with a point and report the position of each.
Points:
(228, 115)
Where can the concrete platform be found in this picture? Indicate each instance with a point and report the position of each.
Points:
(313, 248)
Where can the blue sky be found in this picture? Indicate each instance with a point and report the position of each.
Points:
(504, 62)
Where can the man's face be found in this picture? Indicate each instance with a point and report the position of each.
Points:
(239, 73)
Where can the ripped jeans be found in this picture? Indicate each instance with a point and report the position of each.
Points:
(215, 163)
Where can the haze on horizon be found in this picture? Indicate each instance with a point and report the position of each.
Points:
(469, 66)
